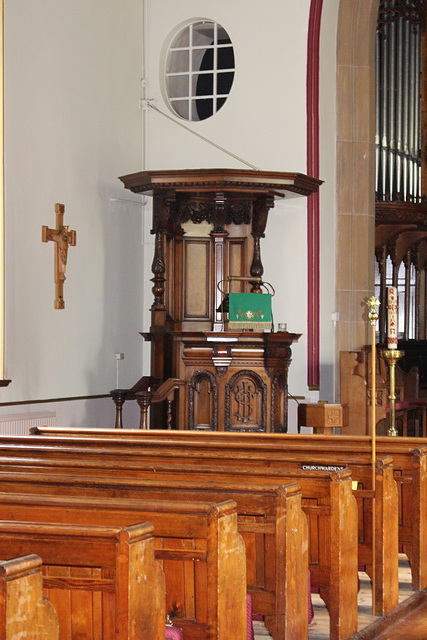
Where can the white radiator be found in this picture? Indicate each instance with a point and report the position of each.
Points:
(19, 424)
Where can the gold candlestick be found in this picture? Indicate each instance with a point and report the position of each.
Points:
(392, 356)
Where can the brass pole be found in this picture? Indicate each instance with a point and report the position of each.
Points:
(373, 305)
(392, 356)
(392, 397)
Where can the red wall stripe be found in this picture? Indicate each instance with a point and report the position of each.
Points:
(313, 361)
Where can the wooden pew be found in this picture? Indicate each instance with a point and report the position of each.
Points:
(103, 581)
(410, 468)
(270, 520)
(409, 464)
(203, 555)
(24, 612)
(182, 447)
(328, 501)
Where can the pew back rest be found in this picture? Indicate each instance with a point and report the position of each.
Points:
(202, 535)
(326, 496)
(270, 520)
(323, 504)
(24, 612)
(99, 566)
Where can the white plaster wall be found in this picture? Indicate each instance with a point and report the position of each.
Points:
(94, 412)
(327, 118)
(72, 125)
(263, 122)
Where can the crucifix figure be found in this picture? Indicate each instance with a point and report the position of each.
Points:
(63, 238)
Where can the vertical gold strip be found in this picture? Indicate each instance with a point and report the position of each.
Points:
(374, 454)
(373, 305)
(2, 200)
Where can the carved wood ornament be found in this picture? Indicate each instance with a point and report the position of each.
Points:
(63, 238)
(208, 226)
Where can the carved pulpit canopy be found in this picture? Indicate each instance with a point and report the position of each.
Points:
(218, 196)
(233, 204)
(276, 184)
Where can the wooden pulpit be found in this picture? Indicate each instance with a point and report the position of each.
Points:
(208, 224)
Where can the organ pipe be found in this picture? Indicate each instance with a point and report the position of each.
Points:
(384, 141)
(399, 109)
(405, 109)
(398, 120)
(377, 115)
(391, 107)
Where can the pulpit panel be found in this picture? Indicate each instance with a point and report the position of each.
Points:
(245, 402)
(203, 402)
(203, 258)
(173, 256)
(197, 289)
(279, 402)
(235, 261)
(235, 381)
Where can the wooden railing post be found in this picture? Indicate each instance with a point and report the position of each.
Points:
(119, 397)
(143, 399)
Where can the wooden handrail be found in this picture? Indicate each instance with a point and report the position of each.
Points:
(121, 395)
(166, 391)
(166, 388)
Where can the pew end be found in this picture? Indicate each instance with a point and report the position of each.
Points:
(24, 611)
(102, 581)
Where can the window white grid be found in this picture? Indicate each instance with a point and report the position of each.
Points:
(188, 52)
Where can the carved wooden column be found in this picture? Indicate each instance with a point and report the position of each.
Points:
(161, 210)
(119, 397)
(143, 399)
(158, 270)
(219, 234)
(259, 221)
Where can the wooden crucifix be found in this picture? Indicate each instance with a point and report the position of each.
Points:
(63, 238)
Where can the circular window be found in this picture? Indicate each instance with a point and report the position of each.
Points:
(199, 70)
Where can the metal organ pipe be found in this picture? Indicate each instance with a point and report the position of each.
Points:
(391, 36)
(417, 114)
(412, 103)
(398, 100)
(405, 104)
(377, 113)
(384, 141)
(399, 103)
